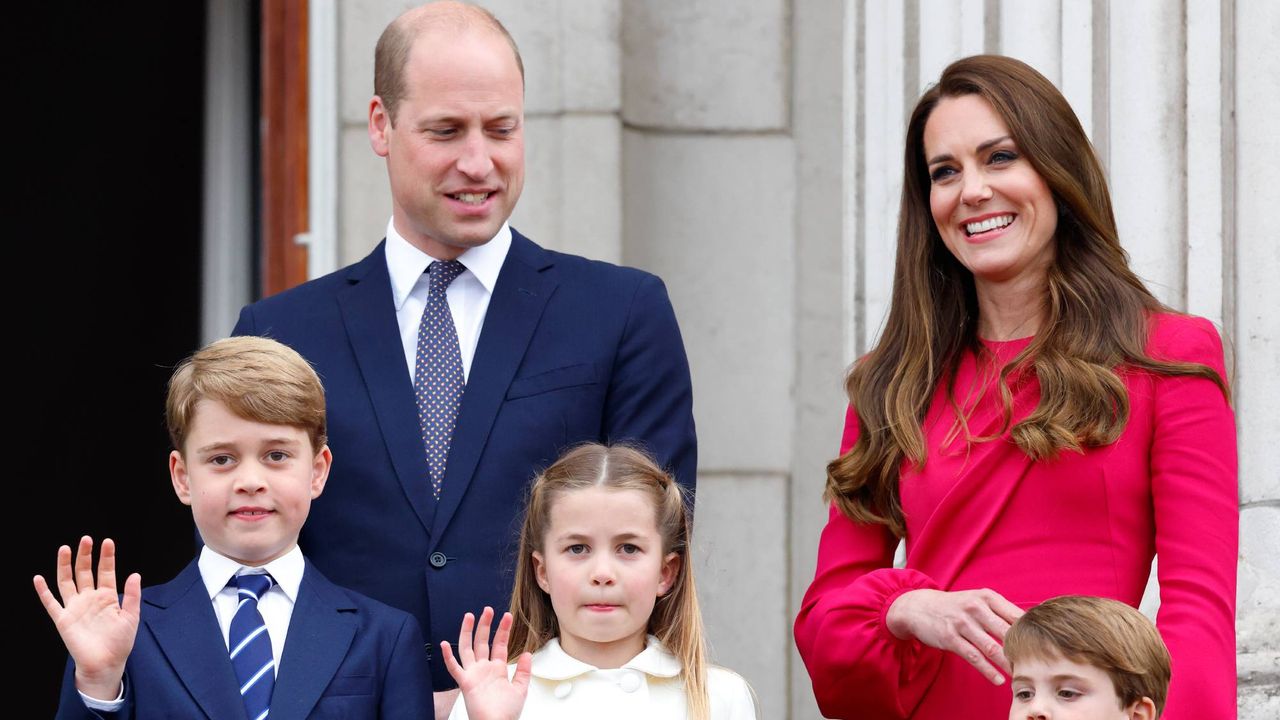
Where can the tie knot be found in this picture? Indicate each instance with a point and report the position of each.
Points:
(253, 585)
(443, 272)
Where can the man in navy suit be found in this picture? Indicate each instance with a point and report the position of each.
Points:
(250, 627)
(441, 414)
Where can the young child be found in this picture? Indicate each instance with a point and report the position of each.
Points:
(250, 626)
(604, 599)
(1086, 658)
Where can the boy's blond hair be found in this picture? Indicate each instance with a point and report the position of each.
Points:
(256, 378)
(1106, 634)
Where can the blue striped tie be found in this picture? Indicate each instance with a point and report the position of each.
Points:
(251, 646)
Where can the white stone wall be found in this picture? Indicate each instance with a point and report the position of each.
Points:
(749, 154)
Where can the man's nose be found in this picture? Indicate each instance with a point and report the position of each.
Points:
(476, 162)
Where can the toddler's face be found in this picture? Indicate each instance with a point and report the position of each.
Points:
(1061, 689)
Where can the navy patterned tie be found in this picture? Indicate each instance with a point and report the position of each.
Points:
(250, 646)
(438, 381)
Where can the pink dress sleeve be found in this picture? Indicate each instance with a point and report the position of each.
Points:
(1196, 510)
(858, 668)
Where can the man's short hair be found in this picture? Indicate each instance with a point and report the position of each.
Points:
(1106, 634)
(256, 378)
(391, 56)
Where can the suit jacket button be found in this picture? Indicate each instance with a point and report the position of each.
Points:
(438, 560)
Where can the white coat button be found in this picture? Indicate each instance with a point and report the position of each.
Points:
(629, 682)
(563, 689)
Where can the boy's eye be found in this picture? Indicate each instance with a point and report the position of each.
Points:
(221, 460)
(1023, 694)
(1069, 694)
(277, 456)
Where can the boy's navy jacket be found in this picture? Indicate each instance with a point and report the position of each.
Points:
(346, 656)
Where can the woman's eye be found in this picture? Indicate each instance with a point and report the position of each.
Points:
(941, 173)
(1000, 157)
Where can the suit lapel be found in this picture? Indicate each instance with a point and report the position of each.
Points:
(185, 628)
(320, 633)
(370, 318)
(519, 297)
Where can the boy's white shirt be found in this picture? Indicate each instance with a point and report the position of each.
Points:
(276, 606)
(649, 686)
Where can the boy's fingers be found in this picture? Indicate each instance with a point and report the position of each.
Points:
(107, 565)
(84, 564)
(133, 595)
(66, 585)
(47, 599)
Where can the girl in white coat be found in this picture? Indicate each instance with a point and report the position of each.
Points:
(606, 619)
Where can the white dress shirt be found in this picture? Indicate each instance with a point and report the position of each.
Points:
(648, 687)
(276, 606)
(468, 294)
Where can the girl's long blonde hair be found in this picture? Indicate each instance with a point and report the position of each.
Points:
(676, 619)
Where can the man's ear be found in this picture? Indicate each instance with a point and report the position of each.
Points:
(379, 126)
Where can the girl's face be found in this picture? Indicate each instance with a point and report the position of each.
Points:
(993, 210)
(603, 566)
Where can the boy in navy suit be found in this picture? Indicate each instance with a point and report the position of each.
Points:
(250, 627)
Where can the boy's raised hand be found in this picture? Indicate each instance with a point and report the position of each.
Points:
(97, 628)
(482, 674)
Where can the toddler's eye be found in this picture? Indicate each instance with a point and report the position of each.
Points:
(1023, 695)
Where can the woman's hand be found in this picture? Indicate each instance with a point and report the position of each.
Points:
(482, 674)
(969, 623)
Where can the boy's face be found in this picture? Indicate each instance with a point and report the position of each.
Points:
(1060, 689)
(249, 484)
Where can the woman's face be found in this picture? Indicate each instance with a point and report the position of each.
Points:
(993, 210)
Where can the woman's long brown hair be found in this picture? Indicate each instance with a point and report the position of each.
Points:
(1096, 318)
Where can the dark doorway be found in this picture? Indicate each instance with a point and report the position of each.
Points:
(109, 171)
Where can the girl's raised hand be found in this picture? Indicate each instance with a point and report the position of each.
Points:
(969, 623)
(481, 673)
(96, 626)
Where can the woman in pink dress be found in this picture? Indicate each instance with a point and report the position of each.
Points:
(1033, 422)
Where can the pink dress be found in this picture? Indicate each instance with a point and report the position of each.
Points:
(985, 516)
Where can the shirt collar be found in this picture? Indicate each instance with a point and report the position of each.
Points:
(551, 662)
(217, 570)
(406, 263)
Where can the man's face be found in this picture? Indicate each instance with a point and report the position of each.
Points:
(455, 154)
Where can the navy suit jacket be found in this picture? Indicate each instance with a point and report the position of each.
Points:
(345, 656)
(571, 350)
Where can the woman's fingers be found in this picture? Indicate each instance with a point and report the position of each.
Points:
(979, 649)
